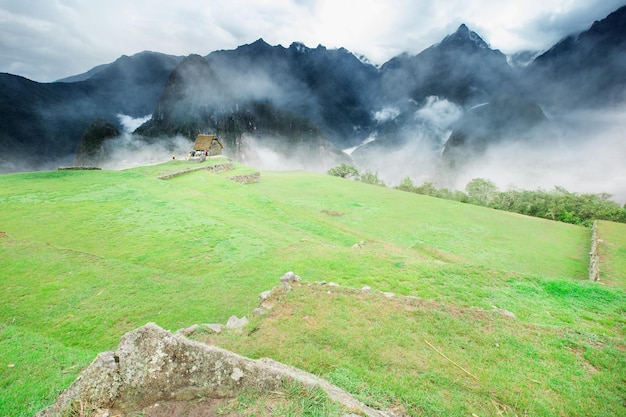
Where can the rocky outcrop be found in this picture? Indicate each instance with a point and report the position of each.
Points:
(90, 149)
(152, 365)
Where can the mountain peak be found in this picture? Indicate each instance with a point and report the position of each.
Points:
(299, 47)
(464, 36)
(258, 45)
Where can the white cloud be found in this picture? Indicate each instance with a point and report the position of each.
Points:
(440, 112)
(130, 124)
(46, 40)
(386, 114)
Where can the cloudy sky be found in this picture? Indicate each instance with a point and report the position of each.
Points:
(45, 40)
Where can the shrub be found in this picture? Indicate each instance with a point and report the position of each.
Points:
(344, 171)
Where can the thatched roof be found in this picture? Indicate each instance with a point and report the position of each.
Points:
(203, 142)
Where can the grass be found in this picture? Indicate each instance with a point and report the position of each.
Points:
(612, 252)
(290, 401)
(378, 349)
(86, 256)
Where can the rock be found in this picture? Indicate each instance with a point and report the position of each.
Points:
(367, 289)
(259, 311)
(290, 277)
(333, 284)
(152, 365)
(504, 312)
(188, 330)
(217, 328)
(235, 323)
(356, 246)
(285, 286)
(388, 294)
(264, 295)
(237, 374)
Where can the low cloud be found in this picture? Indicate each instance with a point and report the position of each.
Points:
(414, 148)
(128, 151)
(130, 124)
(439, 112)
(583, 152)
(271, 153)
(386, 114)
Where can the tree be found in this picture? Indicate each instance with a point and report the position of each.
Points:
(481, 191)
(406, 185)
(371, 178)
(344, 171)
(427, 188)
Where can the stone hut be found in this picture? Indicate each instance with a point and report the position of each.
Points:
(210, 145)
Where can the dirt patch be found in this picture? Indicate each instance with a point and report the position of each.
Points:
(579, 352)
(206, 408)
(3, 235)
(332, 213)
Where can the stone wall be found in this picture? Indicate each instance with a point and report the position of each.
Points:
(220, 167)
(594, 255)
(247, 178)
(179, 173)
(79, 168)
(228, 166)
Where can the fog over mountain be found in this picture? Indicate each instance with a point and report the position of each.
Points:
(455, 111)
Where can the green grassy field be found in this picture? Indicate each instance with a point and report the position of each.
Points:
(86, 256)
(612, 252)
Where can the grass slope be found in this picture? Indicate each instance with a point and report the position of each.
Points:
(612, 252)
(86, 256)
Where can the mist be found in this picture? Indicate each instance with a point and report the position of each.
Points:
(130, 124)
(408, 142)
(130, 150)
(582, 151)
(269, 152)
(386, 114)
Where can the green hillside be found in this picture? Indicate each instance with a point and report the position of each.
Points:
(613, 252)
(86, 256)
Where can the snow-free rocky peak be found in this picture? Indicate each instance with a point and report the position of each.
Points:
(464, 37)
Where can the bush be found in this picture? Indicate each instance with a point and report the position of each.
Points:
(558, 204)
(344, 171)
(371, 178)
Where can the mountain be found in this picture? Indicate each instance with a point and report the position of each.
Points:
(502, 119)
(197, 99)
(455, 100)
(42, 123)
(424, 95)
(37, 120)
(333, 89)
(584, 70)
(462, 68)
